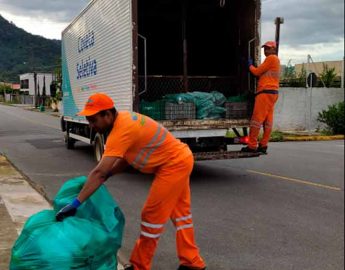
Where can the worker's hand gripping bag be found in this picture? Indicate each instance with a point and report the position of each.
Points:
(89, 240)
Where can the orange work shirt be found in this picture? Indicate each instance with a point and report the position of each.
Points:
(143, 143)
(268, 73)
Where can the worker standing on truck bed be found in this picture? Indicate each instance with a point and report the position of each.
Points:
(265, 98)
(138, 140)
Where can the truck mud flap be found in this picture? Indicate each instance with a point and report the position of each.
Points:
(223, 155)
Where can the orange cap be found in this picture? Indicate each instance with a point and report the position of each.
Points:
(270, 44)
(96, 103)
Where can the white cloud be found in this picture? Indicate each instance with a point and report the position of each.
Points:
(37, 26)
(319, 52)
(56, 10)
(314, 27)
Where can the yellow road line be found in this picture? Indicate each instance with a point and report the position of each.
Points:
(296, 180)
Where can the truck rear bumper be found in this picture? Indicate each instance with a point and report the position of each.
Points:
(189, 125)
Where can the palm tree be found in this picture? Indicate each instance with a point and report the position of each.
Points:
(328, 75)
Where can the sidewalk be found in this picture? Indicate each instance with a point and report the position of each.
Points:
(297, 136)
(30, 107)
(18, 201)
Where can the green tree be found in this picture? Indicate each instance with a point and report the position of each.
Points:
(328, 75)
(289, 75)
(301, 77)
(5, 89)
(298, 80)
(21, 52)
(333, 117)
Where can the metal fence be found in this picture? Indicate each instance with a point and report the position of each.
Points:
(26, 99)
(154, 88)
(19, 99)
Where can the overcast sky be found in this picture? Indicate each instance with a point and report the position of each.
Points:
(314, 27)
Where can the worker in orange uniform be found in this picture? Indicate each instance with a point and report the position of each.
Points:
(265, 99)
(143, 143)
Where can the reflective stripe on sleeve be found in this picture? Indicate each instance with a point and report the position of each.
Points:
(144, 149)
(159, 143)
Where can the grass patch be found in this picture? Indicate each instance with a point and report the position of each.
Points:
(277, 136)
(326, 132)
(7, 102)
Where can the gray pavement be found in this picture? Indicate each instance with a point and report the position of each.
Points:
(281, 211)
(8, 235)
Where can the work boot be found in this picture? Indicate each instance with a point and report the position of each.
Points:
(128, 267)
(248, 150)
(262, 150)
(183, 267)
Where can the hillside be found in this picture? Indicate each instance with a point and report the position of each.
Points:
(22, 52)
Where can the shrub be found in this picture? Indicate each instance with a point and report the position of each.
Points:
(334, 118)
(328, 75)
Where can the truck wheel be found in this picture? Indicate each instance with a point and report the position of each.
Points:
(98, 147)
(69, 142)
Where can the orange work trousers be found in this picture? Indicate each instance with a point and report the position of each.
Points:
(262, 116)
(169, 197)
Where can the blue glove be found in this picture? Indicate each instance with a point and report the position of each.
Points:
(250, 62)
(68, 210)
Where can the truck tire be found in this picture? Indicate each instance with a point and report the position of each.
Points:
(98, 147)
(62, 124)
(69, 142)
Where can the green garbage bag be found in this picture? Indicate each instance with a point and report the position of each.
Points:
(208, 105)
(219, 98)
(154, 109)
(203, 103)
(239, 98)
(217, 113)
(180, 98)
(90, 240)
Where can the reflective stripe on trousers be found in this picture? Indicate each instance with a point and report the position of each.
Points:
(169, 197)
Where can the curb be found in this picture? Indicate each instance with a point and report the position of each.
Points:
(304, 138)
(22, 198)
(38, 188)
(55, 114)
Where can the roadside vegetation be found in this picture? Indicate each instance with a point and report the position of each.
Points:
(327, 77)
(334, 118)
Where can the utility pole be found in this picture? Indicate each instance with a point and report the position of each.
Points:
(278, 21)
(35, 88)
(185, 49)
(342, 73)
(32, 63)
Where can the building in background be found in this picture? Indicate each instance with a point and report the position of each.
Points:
(27, 83)
(317, 67)
(13, 86)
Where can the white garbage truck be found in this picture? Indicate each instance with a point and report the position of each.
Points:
(141, 52)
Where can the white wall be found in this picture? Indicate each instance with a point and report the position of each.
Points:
(30, 77)
(40, 79)
(298, 108)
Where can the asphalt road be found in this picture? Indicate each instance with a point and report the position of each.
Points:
(281, 211)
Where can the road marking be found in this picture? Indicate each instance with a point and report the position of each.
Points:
(309, 183)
